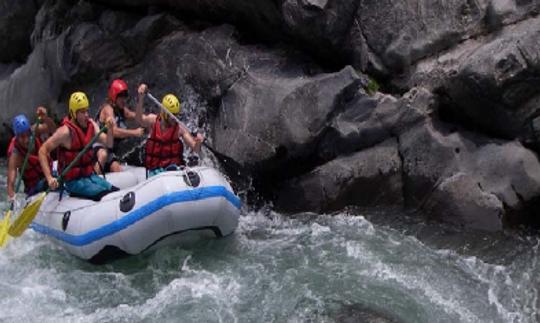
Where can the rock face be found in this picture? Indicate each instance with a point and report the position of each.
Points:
(16, 24)
(282, 90)
(265, 120)
(371, 177)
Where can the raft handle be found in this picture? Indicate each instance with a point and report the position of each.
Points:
(65, 220)
(127, 202)
(191, 178)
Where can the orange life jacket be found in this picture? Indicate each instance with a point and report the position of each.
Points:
(163, 148)
(85, 166)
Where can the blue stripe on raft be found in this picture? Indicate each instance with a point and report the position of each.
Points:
(139, 214)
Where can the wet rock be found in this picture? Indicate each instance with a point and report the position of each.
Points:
(16, 24)
(147, 31)
(461, 199)
(266, 119)
(42, 76)
(368, 178)
(260, 17)
(55, 16)
(92, 53)
(360, 313)
(60, 63)
(451, 174)
(321, 25)
(505, 12)
(202, 59)
(448, 173)
(369, 120)
(491, 86)
(400, 34)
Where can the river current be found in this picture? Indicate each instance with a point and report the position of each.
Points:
(346, 267)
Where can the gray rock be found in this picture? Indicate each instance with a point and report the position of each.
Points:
(91, 53)
(148, 31)
(504, 12)
(272, 119)
(322, 25)
(460, 199)
(42, 76)
(204, 61)
(55, 16)
(404, 32)
(371, 177)
(369, 120)
(442, 166)
(16, 24)
(491, 85)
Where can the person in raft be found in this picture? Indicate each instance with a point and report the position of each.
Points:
(18, 148)
(165, 145)
(117, 108)
(74, 134)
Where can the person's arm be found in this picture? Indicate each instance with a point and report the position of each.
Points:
(107, 112)
(193, 143)
(47, 126)
(145, 121)
(60, 137)
(106, 139)
(15, 161)
(128, 114)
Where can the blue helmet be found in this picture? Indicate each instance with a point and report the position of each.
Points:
(20, 124)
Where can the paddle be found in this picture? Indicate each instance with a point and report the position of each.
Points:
(29, 212)
(4, 226)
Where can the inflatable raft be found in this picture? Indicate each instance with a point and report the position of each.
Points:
(145, 213)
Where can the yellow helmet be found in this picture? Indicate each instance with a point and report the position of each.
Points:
(77, 101)
(171, 103)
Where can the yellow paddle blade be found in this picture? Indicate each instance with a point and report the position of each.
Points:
(26, 217)
(4, 229)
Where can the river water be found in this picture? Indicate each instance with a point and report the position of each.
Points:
(307, 268)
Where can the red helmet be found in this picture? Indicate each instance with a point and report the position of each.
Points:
(117, 86)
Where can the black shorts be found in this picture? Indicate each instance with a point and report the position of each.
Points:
(111, 158)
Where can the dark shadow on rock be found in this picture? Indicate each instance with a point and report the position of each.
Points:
(358, 313)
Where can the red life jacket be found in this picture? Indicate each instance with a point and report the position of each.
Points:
(33, 173)
(85, 166)
(163, 149)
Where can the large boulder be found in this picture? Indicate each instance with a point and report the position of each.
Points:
(58, 66)
(16, 25)
(398, 34)
(490, 87)
(371, 177)
(368, 120)
(407, 156)
(321, 25)
(38, 82)
(55, 16)
(266, 119)
(461, 200)
(500, 13)
(208, 62)
(441, 167)
(488, 84)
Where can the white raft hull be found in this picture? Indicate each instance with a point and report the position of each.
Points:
(143, 214)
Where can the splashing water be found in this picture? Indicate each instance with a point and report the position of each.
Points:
(315, 268)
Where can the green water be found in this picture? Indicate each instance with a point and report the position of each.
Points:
(310, 268)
